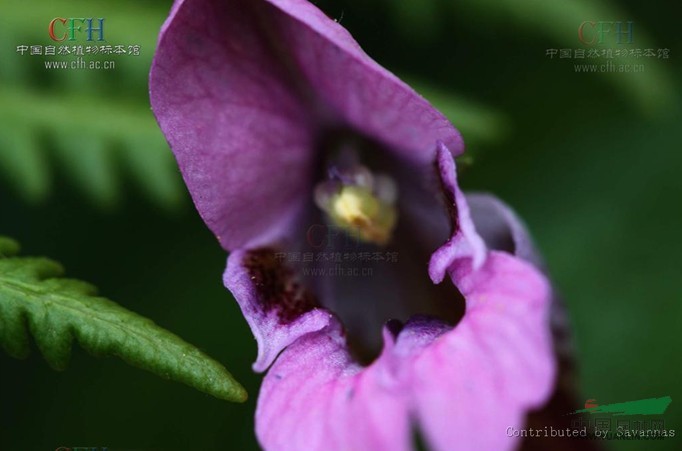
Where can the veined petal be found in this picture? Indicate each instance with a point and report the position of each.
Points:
(316, 398)
(472, 383)
(501, 228)
(243, 89)
(356, 88)
(242, 137)
(461, 387)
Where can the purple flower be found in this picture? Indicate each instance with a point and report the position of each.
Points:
(384, 302)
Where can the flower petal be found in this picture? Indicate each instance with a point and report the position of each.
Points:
(316, 398)
(277, 312)
(242, 90)
(471, 384)
(501, 228)
(465, 243)
(237, 129)
(463, 387)
(364, 94)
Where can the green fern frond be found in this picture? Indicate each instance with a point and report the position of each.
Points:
(56, 311)
(88, 139)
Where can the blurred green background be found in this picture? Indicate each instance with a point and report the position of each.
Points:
(591, 161)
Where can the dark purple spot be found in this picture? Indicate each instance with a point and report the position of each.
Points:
(277, 286)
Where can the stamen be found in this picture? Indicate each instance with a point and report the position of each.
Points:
(359, 202)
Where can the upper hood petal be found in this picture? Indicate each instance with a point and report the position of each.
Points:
(243, 88)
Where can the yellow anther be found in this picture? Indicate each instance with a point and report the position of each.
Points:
(362, 214)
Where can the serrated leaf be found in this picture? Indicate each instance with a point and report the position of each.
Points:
(56, 311)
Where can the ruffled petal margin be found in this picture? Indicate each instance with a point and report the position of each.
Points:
(465, 243)
(276, 313)
(461, 388)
